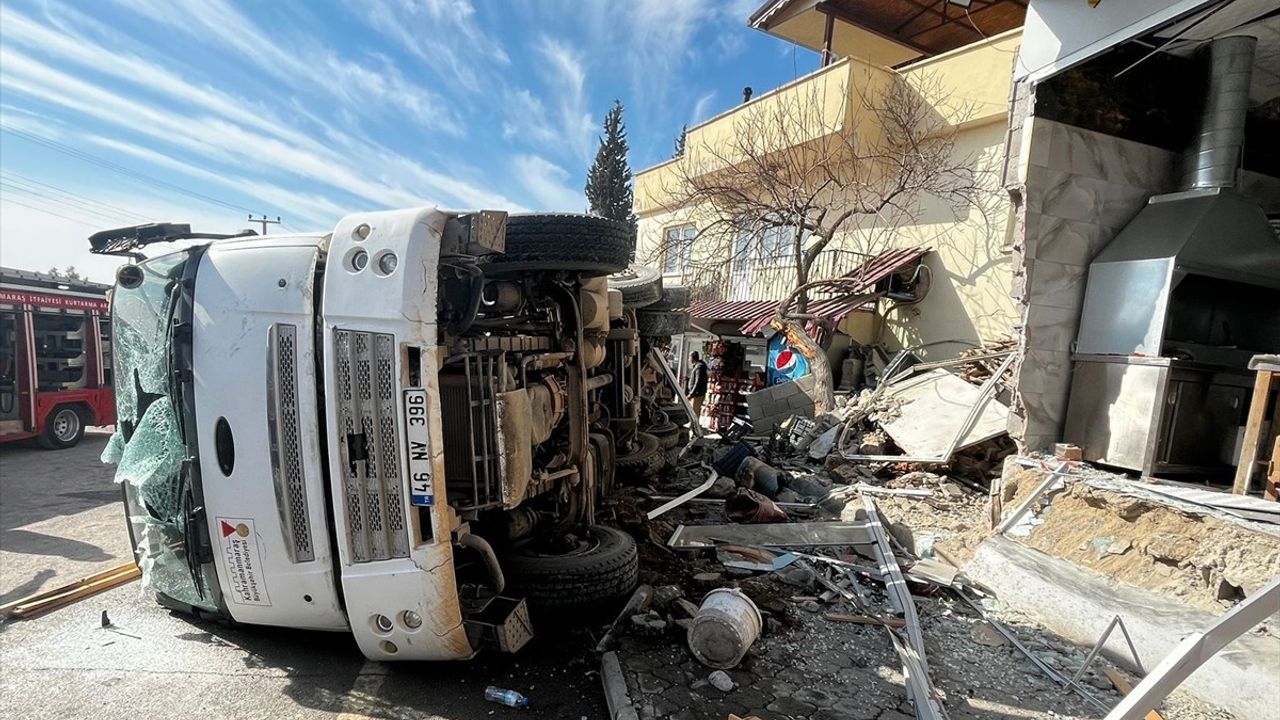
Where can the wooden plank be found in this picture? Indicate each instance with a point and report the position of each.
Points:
(49, 593)
(1125, 687)
(33, 605)
(1272, 491)
(76, 592)
(1252, 431)
(865, 620)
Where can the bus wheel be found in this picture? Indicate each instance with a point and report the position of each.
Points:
(63, 428)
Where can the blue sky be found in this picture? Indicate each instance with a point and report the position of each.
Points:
(123, 111)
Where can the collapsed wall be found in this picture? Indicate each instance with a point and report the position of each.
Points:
(1203, 559)
(1097, 546)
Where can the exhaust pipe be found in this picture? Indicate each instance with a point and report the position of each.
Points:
(1213, 158)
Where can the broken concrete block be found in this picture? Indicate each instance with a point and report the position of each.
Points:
(797, 575)
(983, 634)
(1067, 451)
(684, 607)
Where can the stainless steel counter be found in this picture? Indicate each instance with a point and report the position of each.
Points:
(1156, 415)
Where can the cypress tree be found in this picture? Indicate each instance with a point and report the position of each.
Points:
(608, 186)
(684, 133)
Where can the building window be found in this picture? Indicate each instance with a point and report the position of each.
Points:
(765, 247)
(777, 246)
(677, 249)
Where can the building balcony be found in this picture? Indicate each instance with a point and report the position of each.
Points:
(964, 87)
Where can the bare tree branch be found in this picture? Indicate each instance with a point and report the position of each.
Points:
(809, 184)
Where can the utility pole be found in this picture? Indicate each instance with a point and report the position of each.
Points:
(264, 221)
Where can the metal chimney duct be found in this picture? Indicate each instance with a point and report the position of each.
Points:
(1213, 158)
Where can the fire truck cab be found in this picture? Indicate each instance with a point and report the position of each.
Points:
(55, 358)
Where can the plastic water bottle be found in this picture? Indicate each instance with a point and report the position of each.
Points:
(510, 698)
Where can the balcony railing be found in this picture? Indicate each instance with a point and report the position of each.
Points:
(762, 279)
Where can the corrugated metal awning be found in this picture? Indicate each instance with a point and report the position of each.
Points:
(730, 310)
(883, 265)
(831, 310)
(857, 295)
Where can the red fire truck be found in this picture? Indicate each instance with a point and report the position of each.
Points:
(55, 358)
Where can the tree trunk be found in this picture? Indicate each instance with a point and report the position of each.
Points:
(802, 270)
(802, 279)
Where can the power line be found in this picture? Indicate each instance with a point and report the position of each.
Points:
(117, 168)
(50, 212)
(72, 196)
(59, 202)
(76, 205)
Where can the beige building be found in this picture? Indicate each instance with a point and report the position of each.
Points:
(961, 74)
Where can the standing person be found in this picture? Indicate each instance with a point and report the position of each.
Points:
(696, 387)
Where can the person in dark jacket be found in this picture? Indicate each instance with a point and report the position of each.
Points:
(696, 388)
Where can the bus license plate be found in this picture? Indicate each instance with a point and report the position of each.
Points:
(421, 489)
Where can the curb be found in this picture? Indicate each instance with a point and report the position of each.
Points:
(616, 694)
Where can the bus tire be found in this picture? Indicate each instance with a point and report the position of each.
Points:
(63, 428)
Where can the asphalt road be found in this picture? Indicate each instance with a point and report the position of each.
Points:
(61, 519)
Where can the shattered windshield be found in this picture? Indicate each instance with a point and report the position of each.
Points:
(148, 448)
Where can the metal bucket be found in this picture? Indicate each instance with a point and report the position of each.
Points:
(724, 627)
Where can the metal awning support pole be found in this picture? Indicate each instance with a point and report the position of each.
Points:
(1058, 473)
(694, 425)
(915, 666)
(1194, 651)
(1102, 641)
(827, 35)
(682, 499)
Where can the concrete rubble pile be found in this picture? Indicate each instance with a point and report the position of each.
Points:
(784, 577)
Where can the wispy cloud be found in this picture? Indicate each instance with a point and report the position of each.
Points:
(232, 145)
(661, 37)
(564, 125)
(304, 208)
(702, 108)
(547, 183)
(304, 65)
(443, 34)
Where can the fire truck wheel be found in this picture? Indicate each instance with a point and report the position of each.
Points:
(640, 285)
(63, 428)
(592, 569)
(577, 243)
(643, 462)
(661, 324)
